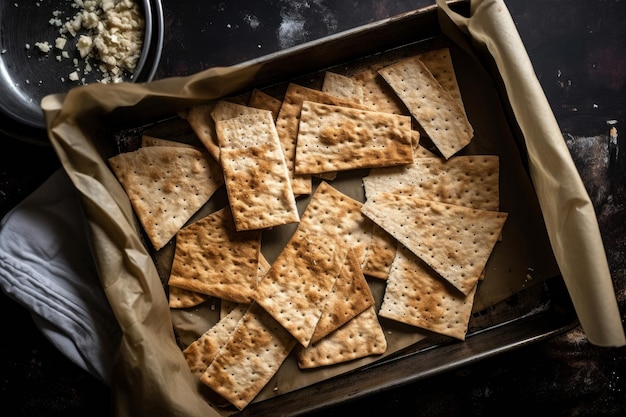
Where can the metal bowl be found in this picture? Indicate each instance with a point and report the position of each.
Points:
(27, 74)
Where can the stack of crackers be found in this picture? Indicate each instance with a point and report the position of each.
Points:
(427, 227)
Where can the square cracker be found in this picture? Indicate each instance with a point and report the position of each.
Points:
(213, 258)
(337, 138)
(166, 186)
(250, 358)
(471, 181)
(439, 114)
(287, 126)
(360, 337)
(255, 172)
(455, 241)
(296, 287)
(417, 296)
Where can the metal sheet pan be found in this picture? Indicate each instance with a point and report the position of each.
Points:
(532, 304)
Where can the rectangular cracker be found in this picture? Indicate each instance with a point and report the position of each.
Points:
(455, 241)
(439, 114)
(213, 258)
(349, 296)
(377, 95)
(342, 86)
(261, 100)
(250, 358)
(336, 138)
(201, 122)
(296, 287)
(471, 181)
(202, 351)
(360, 337)
(255, 172)
(417, 296)
(287, 126)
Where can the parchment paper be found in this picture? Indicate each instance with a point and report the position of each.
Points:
(150, 375)
(567, 209)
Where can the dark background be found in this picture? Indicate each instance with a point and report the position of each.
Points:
(577, 48)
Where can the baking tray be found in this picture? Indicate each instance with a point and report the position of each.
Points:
(533, 307)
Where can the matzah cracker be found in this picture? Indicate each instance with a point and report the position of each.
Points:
(337, 138)
(342, 86)
(360, 337)
(213, 258)
(250, 358)
(417, 296)
(471, 181)
(333, 212)
(226, 306)
(439, 63)
(455, 241)
(201, 122)
(261, 100)
(147, 140)
(379, 254)
(287, 126)
(181, 298)
(202, 351)
(377, 95)
(349, 296)
(255, 172)
(295, 289)
(225, 110)
(166, 186)
(439, 114)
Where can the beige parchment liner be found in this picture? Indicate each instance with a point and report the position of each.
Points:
(150, 375)
(566, 207)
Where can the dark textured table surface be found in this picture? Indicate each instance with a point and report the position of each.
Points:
(577, 48)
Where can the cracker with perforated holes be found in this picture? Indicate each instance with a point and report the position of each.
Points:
(213, 258)
(250, 358)
(261, 100)
(439, 114)
(147, 140)
(225, 110)
(439, 63)
(377, 95)
(333, 212)
(296, 287)
(417, 296)
(455, 241)
(181, 298)
(349, 296)
(471, 181)
(342, 86)
(255, 172)
(203, 350)
(336, 138)
(201, 122)
(287, 125)
(360, 337)
(166, 186)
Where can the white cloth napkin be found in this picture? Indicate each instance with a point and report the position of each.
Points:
(46, 265)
